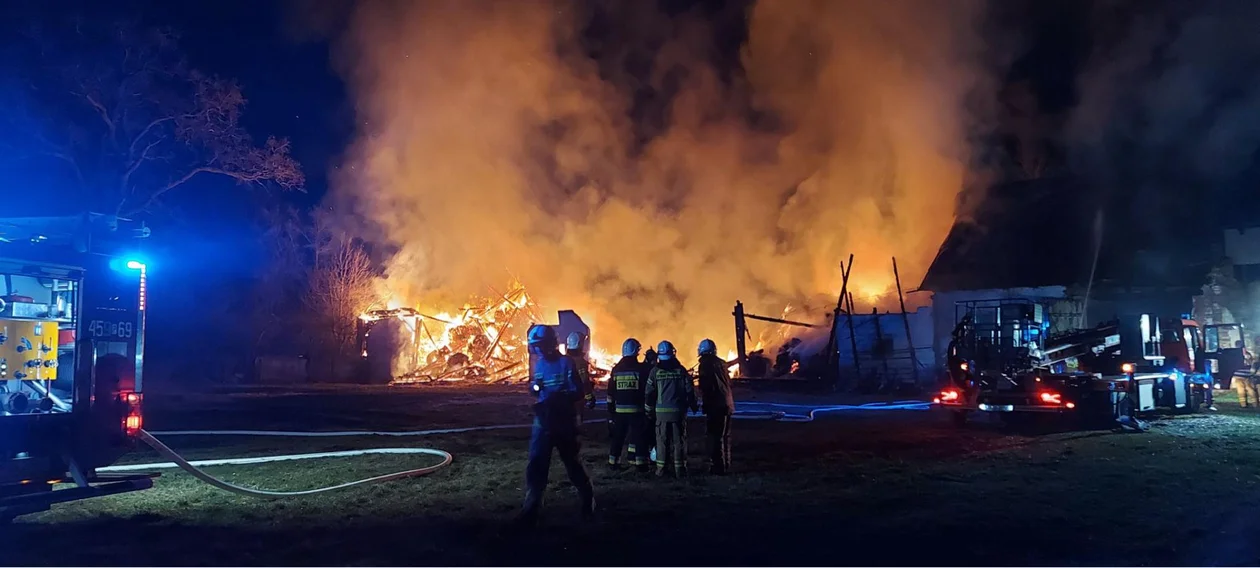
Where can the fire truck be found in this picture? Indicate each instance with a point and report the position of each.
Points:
(72, 317)
(1002, 361)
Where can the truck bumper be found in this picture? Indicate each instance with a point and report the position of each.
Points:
(100, 486)
(1002, 408)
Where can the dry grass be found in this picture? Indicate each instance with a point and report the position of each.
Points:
(895, 488)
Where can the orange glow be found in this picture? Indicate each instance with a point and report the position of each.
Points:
(1126, 368)
(964, 366)
(1051, 397)
(1070, 405)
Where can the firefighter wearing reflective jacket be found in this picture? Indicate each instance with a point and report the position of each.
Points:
(625, 407)
(574, 350)
(669, 394)
(559, 391)
(719, 405)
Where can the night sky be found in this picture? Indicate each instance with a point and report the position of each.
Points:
(293, 91)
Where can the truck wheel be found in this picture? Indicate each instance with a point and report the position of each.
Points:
(958, 418)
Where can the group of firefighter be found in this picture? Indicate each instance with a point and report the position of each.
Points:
(648, 400)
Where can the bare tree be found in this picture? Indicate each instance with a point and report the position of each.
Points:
(341, 289)
(117, 110)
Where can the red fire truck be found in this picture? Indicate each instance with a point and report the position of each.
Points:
(72, 316)
(1002, 362)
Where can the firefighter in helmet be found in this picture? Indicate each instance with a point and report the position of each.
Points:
(574, 349)
(719, 405)
(648, 435)
(625, 407)
(559, 391)
(669, 394)
(1245, 381)
(649, 358)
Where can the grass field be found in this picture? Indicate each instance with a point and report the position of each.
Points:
(879, 488)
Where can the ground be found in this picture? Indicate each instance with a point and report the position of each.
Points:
(870, 488)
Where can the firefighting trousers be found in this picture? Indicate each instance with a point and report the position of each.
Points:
(625, 430)
(671, 444)
(1246, 390)
(717, 433)
(561, 434)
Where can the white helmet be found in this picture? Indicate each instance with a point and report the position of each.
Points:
(707, 347)
(630, 348)
(574, 342)
(665, 351)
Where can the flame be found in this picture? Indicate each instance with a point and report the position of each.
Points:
(484, 340)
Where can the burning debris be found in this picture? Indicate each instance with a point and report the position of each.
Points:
(483, 343)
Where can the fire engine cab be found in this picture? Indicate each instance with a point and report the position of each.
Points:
(72, 315)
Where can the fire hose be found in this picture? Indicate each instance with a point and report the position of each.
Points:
(746, 411)
(784, 412)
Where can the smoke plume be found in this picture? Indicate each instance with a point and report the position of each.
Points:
(638, 175)
(1169, 106)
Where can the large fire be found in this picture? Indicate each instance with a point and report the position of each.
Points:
(493, 136)
(483, 341)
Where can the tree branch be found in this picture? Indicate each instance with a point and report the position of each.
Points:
(132, 150)
(100, 109)
(140, 160)
(238, 176)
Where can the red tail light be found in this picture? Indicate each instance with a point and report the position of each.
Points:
(1049, 397)
(134, 419)
(948, 396)
(133, 424)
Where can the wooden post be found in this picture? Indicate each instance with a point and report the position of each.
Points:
(833, 348)
(914, 355)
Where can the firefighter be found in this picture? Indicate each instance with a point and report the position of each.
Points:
(573, 349)
(719, 405)
(1244, 382)
(625, 407)
(557, 385)
(648, 435)
(669, 394)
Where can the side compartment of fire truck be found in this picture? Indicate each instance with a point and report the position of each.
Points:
(70, 337)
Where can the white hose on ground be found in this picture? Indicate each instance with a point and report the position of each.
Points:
(744, 411)
(194, 467)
